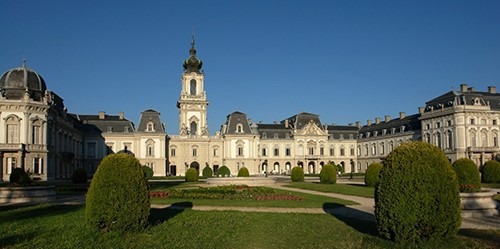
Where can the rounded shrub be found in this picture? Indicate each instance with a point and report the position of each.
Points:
(80, 175)
(372, 174)
(328, 174)
(224, 171)
(192, 175)
(20, 177)
(243, 172)
(118, 197)
(297, 174)
(207, 171)
(417, 195)
(467, 175)
(148, 171)
(491, 172)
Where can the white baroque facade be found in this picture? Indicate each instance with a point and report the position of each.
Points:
(39, 135)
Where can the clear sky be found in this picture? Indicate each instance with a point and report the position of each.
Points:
(344, 60)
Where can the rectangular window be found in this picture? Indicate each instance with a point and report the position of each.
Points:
(38, 165)
(90, 149)
(494, 122)
(11, 164)
(276, 152)
(172, 152)
(342, 152)
(35, 135)
(332, 152)
(352, 151)
(311, 151)
(472, 121)
(321, 151)
(240, 151)
(287, 152)
(216, 152)
(195, 152)
(264, 152)
(12, 134)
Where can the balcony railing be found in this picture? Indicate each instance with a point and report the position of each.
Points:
(487, 149)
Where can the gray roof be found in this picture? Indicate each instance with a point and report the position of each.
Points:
(233, 120)
(342, 131)
(411, 123)
(463, 98)
(300, 120)
(274, 131)
(110, 123)
(150, 116)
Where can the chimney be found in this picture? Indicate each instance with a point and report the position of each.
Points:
(463, 88)
(358, 124)
(402, 115)
(102, 115)
(470, 89)
(387, 118)
(377, 120)
(492, 89)
(120, 114)
(421, 110)
(286, 123)
(368, 122)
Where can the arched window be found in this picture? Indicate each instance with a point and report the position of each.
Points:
(192, 87)
(449, 136)
(12, 127)
(495, 139)
(239, 128)
(150, 147)
(374, 149)
(150, 126)
(382, 148)
(473, 138)
(484, 139)
(193, 128)
(36, 131)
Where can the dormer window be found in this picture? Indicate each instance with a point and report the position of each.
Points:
(110, 128)
(125, 129)
(150, 127)
(276, 136)
(403, 128)
(264, 135)
(239, 128)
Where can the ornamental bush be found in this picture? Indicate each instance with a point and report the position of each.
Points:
(148, 172)
(243, 172)
(491, 172)
(467, 175)
(417, 195)
(192, 175)
(80, 175)
(297, 174)
(207, 171)
(118, 197)
(328, 174)
(19, 177)
(372, 174)
(224, 171)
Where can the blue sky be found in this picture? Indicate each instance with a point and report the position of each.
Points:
(344, 60)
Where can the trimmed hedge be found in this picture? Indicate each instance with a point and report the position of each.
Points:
(207, 172)
(328, 174)
(297, 174)
(118, 197)
(491, 172)
(243, 172)
(224, 171)
(468, 176)
(417, 195)
(192, 175)
(373, 174)
(148, 172)
(80, 175)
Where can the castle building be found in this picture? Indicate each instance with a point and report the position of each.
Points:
(41, 136)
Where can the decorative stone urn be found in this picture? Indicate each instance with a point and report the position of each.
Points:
(27, 194)
(479, 204)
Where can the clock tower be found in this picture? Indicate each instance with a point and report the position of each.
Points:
(193, 102)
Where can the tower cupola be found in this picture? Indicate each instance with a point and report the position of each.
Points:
(192, 63)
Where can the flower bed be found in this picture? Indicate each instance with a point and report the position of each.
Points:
(231, 192)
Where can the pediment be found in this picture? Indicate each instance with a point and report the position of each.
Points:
(311, 129)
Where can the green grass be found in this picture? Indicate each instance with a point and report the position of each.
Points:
(347, 189)
(46, 226)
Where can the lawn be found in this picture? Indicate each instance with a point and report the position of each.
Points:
(46, 226)
(346, 189)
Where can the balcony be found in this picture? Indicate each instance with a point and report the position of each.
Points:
(486, 149)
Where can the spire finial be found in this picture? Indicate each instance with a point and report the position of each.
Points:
(24, 62)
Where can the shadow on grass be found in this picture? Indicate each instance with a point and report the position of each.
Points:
(19, 212)
(161, 215)
(363, 222)
(489, 237)
(12, 240)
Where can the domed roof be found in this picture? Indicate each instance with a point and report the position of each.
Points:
(17, 81)
(192, 63)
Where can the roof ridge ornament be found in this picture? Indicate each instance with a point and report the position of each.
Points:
(24, 63)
